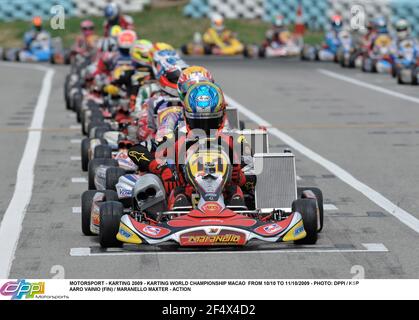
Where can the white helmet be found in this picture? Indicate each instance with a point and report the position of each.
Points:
(217, 22)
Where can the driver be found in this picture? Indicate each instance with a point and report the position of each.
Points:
(86, 41)
(32, 34)
(276, 32)
(204, 112)
(217, 36)
(114, 17)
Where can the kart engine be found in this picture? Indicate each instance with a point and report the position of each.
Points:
(149, 194)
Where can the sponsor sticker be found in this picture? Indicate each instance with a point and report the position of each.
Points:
(272, 228)
(154, 231)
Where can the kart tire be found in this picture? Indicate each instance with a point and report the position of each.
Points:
(110, 218)
(262, 52)
(100, 131)
(78, 100)
(184, 49)
(242, 125)
(112, 177)
(93, 165)
(102, 151)
(319, 197)
(308, 210)
(95, 125)
(86, 210)
(66, 90)
(399, 78)
(85, 145)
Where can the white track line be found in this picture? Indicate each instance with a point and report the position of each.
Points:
(76, 210)
(75, 158)
(75, 141)
(368, 86)
(87, 252)
(404, 216)
(329, 207)
(79, 180)
(11, 225)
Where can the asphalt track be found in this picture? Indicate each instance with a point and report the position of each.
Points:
(372, 135)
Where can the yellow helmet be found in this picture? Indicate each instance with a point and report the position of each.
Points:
(160, 46)
(115, 31)
(140, 52)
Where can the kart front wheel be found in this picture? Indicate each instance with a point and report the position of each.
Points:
(319, 197)
(86, 209)
(308, 210)
(112, 177)
(110, 217)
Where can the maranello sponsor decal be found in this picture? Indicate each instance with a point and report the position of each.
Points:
(22, 289)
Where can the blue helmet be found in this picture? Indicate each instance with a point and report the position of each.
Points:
(204, 106)
(112, 11)
(380, 24)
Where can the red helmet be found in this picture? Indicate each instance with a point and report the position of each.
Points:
(87, 27)
(126, 39)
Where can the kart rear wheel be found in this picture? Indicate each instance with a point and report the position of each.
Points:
(110, 218)
(319, 197)
(100, 131)
(93, 165)
(86, 209)
(102, 151)
(112, 177)
(85, 145)
(78, 100)
(66, 91)
(308, 210)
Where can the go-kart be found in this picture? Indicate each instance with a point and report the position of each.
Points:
(278, 216)
(348, 55)
(42, 49)
(290, 46)
(405, 67)
(327, 51)
(380, 58)
(230, 46)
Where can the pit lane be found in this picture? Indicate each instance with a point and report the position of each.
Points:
(333, 118)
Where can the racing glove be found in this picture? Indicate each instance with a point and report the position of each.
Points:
(170, 179)
(237, 175)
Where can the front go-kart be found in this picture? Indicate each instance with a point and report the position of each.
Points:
(277, 216)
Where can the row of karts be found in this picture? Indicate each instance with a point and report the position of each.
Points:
(168, 160)
(217, 40)
(378, 51)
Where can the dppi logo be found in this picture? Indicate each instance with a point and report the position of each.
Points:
(21, 288)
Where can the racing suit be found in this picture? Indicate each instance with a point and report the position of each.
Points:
(172, 173)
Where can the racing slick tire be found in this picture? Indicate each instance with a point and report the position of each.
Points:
(93, 126)
(100, 131)
(112, 177)
(93, 165)
(110, 217)
(66, 91)
(86, 208)
(78, 100)
(102, 151)
(242, 125)
(319, 197)
(308, 210)
(85, 145)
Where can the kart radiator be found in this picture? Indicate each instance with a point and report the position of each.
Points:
(276, 185)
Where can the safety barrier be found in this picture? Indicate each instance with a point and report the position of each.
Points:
(316, 13)
(25, 9)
